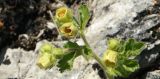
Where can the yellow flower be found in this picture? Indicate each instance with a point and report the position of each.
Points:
(110, 58)
(68, 30)
(64, 14)
(113, 44)
(46, 60)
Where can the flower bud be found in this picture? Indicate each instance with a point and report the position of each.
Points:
(68, 30)
(110, 58)
(113, 44)
(64, 14)
(46, 61)
(46, 48)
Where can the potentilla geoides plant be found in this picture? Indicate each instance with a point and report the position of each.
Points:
(117, 60)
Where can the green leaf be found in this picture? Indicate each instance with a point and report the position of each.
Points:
(138, 45)
(66, 63)
(86, 52)
(133, 47)
(113, 72)
(84, 15)
(129, 48)
(132, 44)
(130, 65)
(70, 44)
(121, 47)
(126, 67)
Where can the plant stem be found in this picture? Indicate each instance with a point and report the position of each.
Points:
(50, 13)
(102, 65)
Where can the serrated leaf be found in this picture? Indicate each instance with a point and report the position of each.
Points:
(121, 47)
(66, 63)
(127, 67)
(129, 44)
(138, 45)
(133, 47)
(130, 65)
(84, 15)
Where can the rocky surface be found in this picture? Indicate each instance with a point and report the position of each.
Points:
(124, 19)
(153, 75)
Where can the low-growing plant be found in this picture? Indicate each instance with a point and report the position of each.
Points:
(117, 60)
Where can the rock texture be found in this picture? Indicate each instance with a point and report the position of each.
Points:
(117, 18)
(153, 75)
(110, 18)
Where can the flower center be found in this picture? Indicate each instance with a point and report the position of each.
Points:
(67, 30)
(62, 13)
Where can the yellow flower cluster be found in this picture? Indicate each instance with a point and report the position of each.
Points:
(67, 28)
(48, 55)
(110, 55)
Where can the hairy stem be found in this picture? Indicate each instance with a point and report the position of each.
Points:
(102, 65)
(50, 13)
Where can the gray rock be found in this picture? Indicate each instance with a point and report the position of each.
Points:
(153, 75)
(116, 18)
(20, 62)
(149, 56)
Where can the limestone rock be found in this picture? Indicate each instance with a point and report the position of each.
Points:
(153, 75)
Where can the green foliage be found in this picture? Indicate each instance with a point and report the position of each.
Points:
(86, 52)
(126, 63)
(84, 15)
(126, 67)
(70, 44)
(66, 63)
(133, 48)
